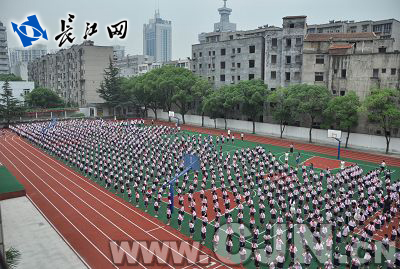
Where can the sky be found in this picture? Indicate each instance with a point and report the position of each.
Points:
(189, 17)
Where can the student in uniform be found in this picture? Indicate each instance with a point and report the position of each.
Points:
(191, 228)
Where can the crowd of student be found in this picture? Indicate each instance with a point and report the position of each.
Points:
(140, 161)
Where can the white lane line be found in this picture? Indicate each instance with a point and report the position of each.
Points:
(82, 200)
(134, 224)
(59, 211)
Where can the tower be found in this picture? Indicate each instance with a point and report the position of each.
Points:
(224, 25)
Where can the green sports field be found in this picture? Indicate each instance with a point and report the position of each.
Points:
(8, 183)
(279, 152)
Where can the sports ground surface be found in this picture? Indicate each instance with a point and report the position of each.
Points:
(88, 216)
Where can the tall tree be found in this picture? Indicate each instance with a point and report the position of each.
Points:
(342, 111)
(184, 96)
(310, 101)
(10, 77)
(253, 94)
(213, 105)
(281, 108)
(43, 98)
(10, 107)
(231, 97)
(201, 89)
(382, 107)
(111, 87)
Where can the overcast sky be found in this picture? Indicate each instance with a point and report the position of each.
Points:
(189, 17)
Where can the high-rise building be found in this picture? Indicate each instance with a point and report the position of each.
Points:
(75, 74)
(4, 61)
(20, 57)
(157, 39)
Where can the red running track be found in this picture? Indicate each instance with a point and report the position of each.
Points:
(86, 215)
(345, 153)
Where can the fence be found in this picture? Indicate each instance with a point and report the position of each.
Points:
(356, 140)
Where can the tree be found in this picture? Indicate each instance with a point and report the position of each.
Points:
(43, 98)
(310, 101)
(213, 106)
(10, 77)
(253, 94)
(136, 94)
(201, 89)
(382, 107)
(183, 96)
(343, 112)
(111, 87)
(230, 98)
(281, 108)
(10, 107)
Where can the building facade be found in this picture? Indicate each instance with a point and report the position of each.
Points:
(129, 65)
(74, 73)
(4, 60)
(20, 88)
(350, 62)
(157, 38)
(20, 57)
(119, 52)
(384, 29)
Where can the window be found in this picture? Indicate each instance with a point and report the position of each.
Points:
(274, 42)
(233, 51)
(320, 30)
(334, 92)
(291, 25)
(298, 58)
(353, 29)
(223, 52)
(213, 52)
(200, 54)
(287, 76)
(238, 78)
(209, 66)
(239, 50)
(252, 49)
(288, 59)
(298, 41)
(319, 59)
(251, 63)
(382, 50)
(375, 73)
(365, 28)
(194, 54)
(222, 65)
(222, 77)
(383, 70)
(273, 74)
(393, 71)
(200, 66)
(273, 89)
(213, 66)
(387, 27)
(233, 78)
(335, 71)
(343, 73)
(231, 37)
(288, 42)
(273, 59)
(26, 91)
(342, 93)
(233, 65)
(319, 76)
(238, 65)
(251, 76)
(194, 66)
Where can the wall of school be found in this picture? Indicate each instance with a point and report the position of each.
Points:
(356, 140)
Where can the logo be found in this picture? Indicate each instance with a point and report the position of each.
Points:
(29, 31)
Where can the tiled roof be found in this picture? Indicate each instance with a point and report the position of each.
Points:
(340, 46)
(327, 37)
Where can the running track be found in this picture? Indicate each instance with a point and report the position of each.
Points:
(345, 153)
(84, 214)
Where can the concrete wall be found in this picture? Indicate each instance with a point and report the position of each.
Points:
(18, 88)
(358, 141)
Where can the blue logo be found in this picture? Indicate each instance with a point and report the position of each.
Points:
(29, 31)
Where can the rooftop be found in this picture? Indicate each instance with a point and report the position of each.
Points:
(331, 36)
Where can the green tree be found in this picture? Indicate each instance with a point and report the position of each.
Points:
(382, 107)
(310, 101)
(10, 77)
(231, 97)
(111, 88)
(252, 95)
(281, 108)
(342, 111)
(43, 98)
(184, 93)
(202, 88)
(10, 107)
(213, 105)
(135, 92)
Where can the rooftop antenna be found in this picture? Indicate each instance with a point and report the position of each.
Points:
(225, 2)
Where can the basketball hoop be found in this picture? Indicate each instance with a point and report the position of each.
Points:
(337, 135)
